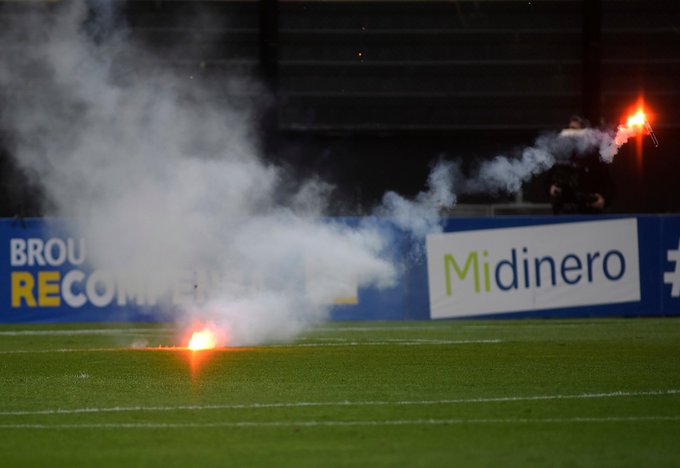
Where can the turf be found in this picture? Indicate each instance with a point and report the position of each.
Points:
(454, 393)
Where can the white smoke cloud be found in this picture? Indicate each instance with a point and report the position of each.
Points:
(505, 174)
(609, 147)
(420, 215)
(167, 185)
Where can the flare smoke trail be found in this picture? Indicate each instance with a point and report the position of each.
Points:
(505, 174)
(167, 186)
(501, 174)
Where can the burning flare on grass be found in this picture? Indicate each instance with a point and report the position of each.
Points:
(204, 339)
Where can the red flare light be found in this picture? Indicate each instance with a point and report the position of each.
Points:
(637, 120)
(204, 339)
(636, 125)
(205, 335)
(201, 341)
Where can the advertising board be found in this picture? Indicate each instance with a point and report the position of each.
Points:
(507, 270)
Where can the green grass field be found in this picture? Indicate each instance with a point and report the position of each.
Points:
(479, 393)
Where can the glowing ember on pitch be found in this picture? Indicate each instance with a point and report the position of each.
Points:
(204, 339)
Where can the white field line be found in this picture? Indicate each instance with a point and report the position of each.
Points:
(303, 404)
(382, 328)
(400, 340)
(526, 325)
(313, 423)
(63, 350)
(164, 330)
(100, 331)
(397, 342)
(404, 342)
(549, 324)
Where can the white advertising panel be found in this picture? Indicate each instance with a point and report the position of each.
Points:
(531, 268)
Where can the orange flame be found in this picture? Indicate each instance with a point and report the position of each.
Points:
(637, 125)
(637, 120)
(204, 339)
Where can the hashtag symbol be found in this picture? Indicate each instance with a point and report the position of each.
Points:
(673, 277)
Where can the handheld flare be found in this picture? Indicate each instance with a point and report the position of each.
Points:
(652, 135)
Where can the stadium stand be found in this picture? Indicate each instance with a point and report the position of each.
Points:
(355, 87)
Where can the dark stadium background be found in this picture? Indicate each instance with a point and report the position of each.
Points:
(368, 94)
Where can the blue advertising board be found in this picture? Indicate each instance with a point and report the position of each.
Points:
(498, 267)
(46, 278)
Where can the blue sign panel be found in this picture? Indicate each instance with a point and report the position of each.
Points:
(669, 259)
(45, 276)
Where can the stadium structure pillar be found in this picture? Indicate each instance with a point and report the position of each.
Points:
(269, 62)
(591, 60)
(269, 41)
